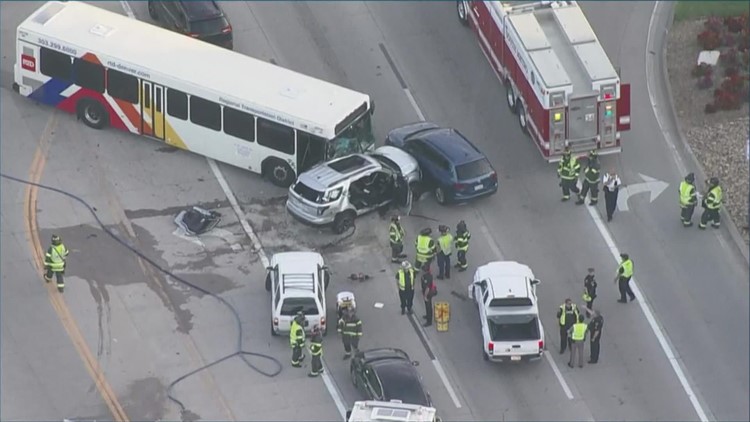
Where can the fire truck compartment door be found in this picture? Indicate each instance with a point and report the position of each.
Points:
(582, 118)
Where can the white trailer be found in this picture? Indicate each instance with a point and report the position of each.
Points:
(392, 411)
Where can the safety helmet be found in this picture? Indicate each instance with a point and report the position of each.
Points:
(593, 153)
(405, 265)
(300, 317)
(395, 217)
(714, 181)
(461, 226)
(316, 329)
(566, 152)
(443, 229)
(690, 177)
(56, 240)
(426, 231)
(624, 256)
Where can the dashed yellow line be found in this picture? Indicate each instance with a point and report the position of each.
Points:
(57, 300)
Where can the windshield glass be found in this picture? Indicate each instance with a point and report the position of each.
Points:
(292, 305)
(209, 26)
(513, 327)
(474, 169)
(356, 139)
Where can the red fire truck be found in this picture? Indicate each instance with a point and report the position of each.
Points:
(558, 79)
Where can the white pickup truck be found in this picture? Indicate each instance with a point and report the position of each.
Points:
(392, 411)
(505, 293)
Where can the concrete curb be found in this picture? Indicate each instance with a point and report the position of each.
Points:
(687, 152)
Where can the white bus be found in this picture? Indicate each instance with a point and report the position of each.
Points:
(114, 71)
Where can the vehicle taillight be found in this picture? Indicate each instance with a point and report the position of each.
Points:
(194, 35)
(493, 176)
(459, 186)
(322, 321)
(541, 345)
(227, 29)
(491, 347)
(275, 321)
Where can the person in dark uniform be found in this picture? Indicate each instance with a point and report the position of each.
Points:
(611, 184)
(316, 351)
(595, 334)
(567, 315)
(589, 289)
(568, 171)
(688, 199)
(429, 290)
(590, 180)
(297, 339)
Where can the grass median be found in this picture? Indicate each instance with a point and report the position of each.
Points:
(688, 10)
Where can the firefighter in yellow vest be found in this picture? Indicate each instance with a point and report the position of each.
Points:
(577, 335)
(590, 180)
(426, 249)
(688, 200)
(567, 315)
(350, 328)
(568, 171)
(316, 351)
(712, 205)
(297, 339)
(396, 236)
(54, 262)
(462, 245)
(405, 282)
(445, 244)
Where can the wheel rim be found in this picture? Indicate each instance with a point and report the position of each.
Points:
(462, 10)
(522, 117)
(280, 173)
(511, 98)
(93, 115)
(439, 195)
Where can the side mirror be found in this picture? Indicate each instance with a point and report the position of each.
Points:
(372, 106)
(414, 363)
(269, 268)
(348, 414)
(535, 281)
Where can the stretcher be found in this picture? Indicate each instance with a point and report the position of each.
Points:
(345, 301)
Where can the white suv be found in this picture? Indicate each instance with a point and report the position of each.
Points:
(505, 293)
(297, 282)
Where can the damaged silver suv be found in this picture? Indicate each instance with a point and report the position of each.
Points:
(336, 192)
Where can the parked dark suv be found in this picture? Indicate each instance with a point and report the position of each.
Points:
(202, 19)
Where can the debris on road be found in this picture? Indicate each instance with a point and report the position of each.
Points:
(195, 220)
(359, 277)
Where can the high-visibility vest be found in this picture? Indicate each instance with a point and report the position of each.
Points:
(446, 243)
(586, 297)
(592, 173)
(687, 194)
(316, 345)
(350, 328)
(396, 233)
(296, 335)
(573, 308)
(579, 331)
(714, 198)
(424, 248)
(569, 170)
(627, 268)
(55, 257)
(462, 241)
(402, 279)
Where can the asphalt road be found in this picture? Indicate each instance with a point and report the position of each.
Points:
(146, 330)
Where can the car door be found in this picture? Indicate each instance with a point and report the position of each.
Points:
(416, 147)
(372, 384)
(403, 195)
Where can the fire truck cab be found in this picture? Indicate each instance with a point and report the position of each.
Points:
(558, 78)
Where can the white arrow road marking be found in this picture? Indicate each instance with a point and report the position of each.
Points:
(656, 187)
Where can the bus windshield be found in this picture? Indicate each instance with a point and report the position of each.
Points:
(358, 138)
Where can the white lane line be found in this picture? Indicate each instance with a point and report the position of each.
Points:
(444, 377)
(553, 364)
(414, 105)
(660, 336)
(331, 386)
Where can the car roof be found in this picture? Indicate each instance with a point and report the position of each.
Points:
(383, 353)
(453, 145)
(333, 172)
(400, 381)
(508, 279)
(201, 9)
(297, 262)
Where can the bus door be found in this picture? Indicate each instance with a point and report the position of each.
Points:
(152, 110)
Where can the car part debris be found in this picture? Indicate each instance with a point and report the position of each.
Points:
(196, 220)
(359, 277)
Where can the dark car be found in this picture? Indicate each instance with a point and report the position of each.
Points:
(201, 19)
(451, 165)
(388, 374)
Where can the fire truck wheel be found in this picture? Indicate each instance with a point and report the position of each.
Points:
(522, 116)
(510, 96)
(440, 196)
(462, 8)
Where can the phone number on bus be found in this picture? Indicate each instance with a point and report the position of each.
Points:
(56, 46)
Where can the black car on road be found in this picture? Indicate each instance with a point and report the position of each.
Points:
(388, 374)
(201, 19)
(452, 167)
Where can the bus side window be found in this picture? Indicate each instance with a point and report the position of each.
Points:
(55, 65)
(88, 75)
(275, 136)
(239, 124)
(122, 86)
(205, 113)
(177, 104)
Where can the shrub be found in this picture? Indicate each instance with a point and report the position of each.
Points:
(731, 71)
(736, 24)
(714, 24)
(728, 40)
(702, 69)
(710, 108)
(734, 84)
(744, 59)
(709, 40)
(705, 82)
(727, 100)
(729, 57)
(743, 43)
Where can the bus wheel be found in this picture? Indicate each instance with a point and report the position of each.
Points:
(279, 173)
(92, 113)
(343, 222)
(462, 7)
(522, 117)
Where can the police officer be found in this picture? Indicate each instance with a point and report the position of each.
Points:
(590, 180)
(297, 339)
(589, 289)
(316, 351)
(712, 205)
(396, 235)
(54, 262)
(688, 199)
(577, 335)
(595, 335)
(426, 249)
(429, 290)
(568, 171)
(567, 315)
(624, 274)
(462, 245)
(405, 283)
(350, 328)
(445, 243)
